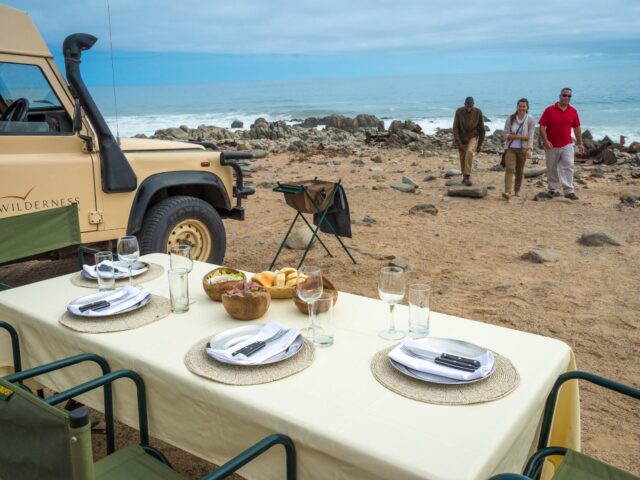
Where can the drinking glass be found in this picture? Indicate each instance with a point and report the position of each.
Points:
(128, 252)
(180, 259)
(309, 289)
(419, 310)
(323, 319)
(391, 291)
(179, 290)
(105, 273)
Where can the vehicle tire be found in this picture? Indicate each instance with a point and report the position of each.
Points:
(181, 219)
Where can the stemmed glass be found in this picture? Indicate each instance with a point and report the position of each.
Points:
(180, 259)
(391, 291)
(309, 289)
(128, 252)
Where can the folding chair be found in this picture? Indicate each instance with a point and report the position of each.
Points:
(40, 441)
(575, 465)
(15, 345)
(315, 197)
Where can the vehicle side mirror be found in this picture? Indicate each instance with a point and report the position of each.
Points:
(77, 117)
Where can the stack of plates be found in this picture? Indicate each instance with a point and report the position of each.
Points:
(223, 345)
(113, 302)
(417, 359)
(121, 270)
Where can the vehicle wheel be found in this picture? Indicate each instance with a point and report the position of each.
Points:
(180, 220)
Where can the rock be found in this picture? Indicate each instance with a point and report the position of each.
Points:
(555, 330)
(597, 172)
(629, 198)
(451, 183)
(376, 170)
(358, 162)
(177, 133)
(429, 178)
(540, 197)
(423, 209)
(598, 239)
(538, 255)
(368, 219)
(270, 185)
(259, 153)
(635, 173)
(409, 181)
(452, 172)
(237, 124)
(376, 159)
(379, 187)
(475, 191)
(399, 262)
(533, 172)
(403, 187)
(299, 238)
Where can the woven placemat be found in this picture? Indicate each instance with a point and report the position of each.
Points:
(159, 307)
(197, 361)
(502, 382)
(154, 272)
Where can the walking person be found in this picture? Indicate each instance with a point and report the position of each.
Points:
(520, 128)
(468, 134)
(556, 124)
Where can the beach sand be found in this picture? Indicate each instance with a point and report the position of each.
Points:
(470, 253)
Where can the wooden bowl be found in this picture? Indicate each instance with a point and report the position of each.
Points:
(249, 307)
(215, 290)
(326, 286)
(281, 292)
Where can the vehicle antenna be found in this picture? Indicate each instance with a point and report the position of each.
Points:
(113, 75)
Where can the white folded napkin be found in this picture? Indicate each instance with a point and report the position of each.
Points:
(119, 270)
(120, 300)
(487, 361)
(271, 349)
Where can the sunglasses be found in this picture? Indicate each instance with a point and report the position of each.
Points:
(566, 95)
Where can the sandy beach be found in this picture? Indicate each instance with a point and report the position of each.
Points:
(470, 253)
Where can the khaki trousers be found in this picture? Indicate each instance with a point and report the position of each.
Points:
(560, 168)
(514, 161)
(466, 156)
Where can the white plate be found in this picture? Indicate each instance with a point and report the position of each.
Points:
(234, 336)
(143, 266)
(96, 297)
(449, 345)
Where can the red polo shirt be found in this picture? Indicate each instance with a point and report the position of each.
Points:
(559, 124)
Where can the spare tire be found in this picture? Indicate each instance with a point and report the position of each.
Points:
(184, 220)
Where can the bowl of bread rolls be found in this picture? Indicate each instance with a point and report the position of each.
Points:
(221, 280)
(280, 284)
(327, 286)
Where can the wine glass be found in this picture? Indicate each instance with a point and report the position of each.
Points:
(309, 289)
(391, 291)
(128, 252)
(180, 259)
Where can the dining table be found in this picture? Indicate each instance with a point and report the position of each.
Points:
(344, 423)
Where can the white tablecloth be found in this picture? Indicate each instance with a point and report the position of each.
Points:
(344, 423)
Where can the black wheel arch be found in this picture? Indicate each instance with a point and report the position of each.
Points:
(204, 185)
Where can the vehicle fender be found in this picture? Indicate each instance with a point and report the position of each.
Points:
(205, 185)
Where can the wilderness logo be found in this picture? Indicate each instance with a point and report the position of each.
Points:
(23, 204)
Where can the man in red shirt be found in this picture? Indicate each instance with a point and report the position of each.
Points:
(555, 127)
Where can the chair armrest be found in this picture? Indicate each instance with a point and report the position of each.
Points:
(550, 406)
(509, 476)
(15, 345)
(253, 452)
(82, 250)
(106, 381)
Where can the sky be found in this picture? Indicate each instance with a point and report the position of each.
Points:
(192, 41)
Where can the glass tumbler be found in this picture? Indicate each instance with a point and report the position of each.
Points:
(419, 311)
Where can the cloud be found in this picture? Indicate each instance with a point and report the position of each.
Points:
(332, 26)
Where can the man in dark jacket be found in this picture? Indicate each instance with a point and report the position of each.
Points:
(468, 133)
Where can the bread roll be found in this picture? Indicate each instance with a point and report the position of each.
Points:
(266, 279)
(288, 271)
(291, 282)
(280, 280)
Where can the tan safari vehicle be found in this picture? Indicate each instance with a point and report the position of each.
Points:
(56, 149)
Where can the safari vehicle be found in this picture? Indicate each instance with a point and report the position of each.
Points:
(56, 149)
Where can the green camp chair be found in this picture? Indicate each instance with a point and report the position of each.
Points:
(15, 345)
(38, 440)
(574, 465)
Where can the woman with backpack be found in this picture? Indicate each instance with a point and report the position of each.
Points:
(519, 131)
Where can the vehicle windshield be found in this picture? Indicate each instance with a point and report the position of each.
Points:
(26, 81)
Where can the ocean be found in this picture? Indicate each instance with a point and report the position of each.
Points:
(608, 101)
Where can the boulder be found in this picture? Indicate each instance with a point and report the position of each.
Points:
(423, 209)
(259, 153)
(237, 124)
(452, 172)
(533, 172)
(399, 262)
(299, 238)
(409, 181)
(598, 239)
(475, 191)
(538, 255)
(629, 198)
(403, 187)
(376, 159)
(429, 178)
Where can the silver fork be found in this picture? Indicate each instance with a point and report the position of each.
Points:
(413, 354)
